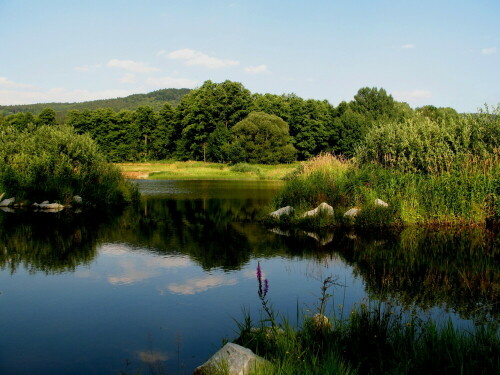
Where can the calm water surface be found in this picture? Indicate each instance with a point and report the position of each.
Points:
(157, 287)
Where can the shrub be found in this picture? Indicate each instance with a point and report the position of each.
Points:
(54, 163)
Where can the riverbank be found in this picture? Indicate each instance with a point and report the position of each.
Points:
(198, 170)
(371, 195)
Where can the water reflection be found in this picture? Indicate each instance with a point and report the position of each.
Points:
(455, 268)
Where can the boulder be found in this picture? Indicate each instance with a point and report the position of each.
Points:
(45, 202)
(232, 359)
(288, 210)
(322, 208)
(380, 202)
(7, 202)
(7, 209)
(50, 206)
(77, 199)
(353, 212)
(321, 322)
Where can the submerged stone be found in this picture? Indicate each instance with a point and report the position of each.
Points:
(232, 359)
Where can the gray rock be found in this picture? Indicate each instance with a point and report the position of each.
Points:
(77, 199)
(353, 212)
(7, 209)
(288, 210)
(45, 202)
(321, 322)
(51, 206)
(322, 208)
(7, 202)
(231, 359)
(380, 202)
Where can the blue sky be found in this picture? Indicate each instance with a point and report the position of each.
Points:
(444, 53)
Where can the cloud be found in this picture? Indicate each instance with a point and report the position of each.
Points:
(131, 66)
(256, 69)
(408, 46)
(10, 97)
(192, 57)
(193, 286)
(161, 52)
(128, 78)
(88, 68)
(4, 82)
(131, 274)
(171, 82)
(489, 51)
(412, 96)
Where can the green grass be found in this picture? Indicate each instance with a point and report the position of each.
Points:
(467, 194)
(198, 170)
(374, 339)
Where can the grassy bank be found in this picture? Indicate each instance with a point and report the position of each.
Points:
(197, 170)
(373, 339)
(467, 193)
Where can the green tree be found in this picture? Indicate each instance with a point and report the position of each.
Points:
(47, 117)
(261, 138)
(206, 108)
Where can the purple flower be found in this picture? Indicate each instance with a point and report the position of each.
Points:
(259, 273)
(266, 287)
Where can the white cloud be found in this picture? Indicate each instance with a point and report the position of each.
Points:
(408, 46)
(128, 78)
(412, 96)
(161, 52)
(171, 82)
(256, 69)
(193, 57)
(88, 68)
(4, 82)
(10, 97)
(489, 51)
(131, 66)
(193, 286)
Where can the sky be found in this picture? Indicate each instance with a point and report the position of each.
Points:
(442, 52)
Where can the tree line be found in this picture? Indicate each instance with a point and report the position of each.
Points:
(225, 122)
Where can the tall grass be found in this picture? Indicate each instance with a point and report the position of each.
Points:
(373, 339)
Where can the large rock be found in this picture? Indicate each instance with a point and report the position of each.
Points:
(7, 202)
(353, 212)
(288, 210)
(380, 202)
(234, 358)
(324, 208)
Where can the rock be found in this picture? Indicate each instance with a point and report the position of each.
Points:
(50, 206)
(322, 208)
(7, 202)
(380, 202)
(288, 210)
(236, 359)
(77, 199)
(45, 202)
(353, 212)
(280, 232)
(321, 322)
(7, 209)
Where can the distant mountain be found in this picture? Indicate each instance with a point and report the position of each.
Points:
(154, 99)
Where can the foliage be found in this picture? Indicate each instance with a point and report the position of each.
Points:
(54, 163)
(261, 138)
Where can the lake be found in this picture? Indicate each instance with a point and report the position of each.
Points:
(158, 287)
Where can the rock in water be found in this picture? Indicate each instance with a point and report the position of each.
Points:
(380, 202)
(323, 207)
(7, 202)
(353, 212)
(234, 358)
(288, 210)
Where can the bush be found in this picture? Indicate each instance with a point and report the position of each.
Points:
(54, 163)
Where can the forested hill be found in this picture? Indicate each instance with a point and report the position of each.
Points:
(154, 99)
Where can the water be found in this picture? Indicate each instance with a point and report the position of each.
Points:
(157, 287)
